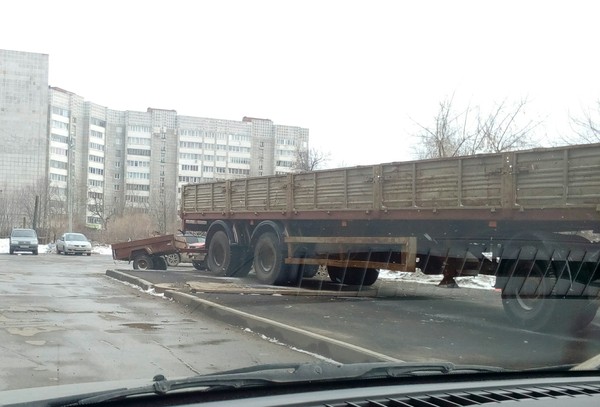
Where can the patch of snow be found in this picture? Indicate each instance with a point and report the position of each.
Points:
(105, 250)
(51, 248)
(277, 342)
(149, 291)
(481, 281)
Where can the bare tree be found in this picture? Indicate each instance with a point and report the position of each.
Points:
(469, 131)
(309, 159)
(99, 209)
(586, 126)
(447, 136)
(162, 212)
(131, 225)
(501, 130)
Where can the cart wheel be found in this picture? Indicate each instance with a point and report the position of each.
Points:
(160, 263)
(142, 262)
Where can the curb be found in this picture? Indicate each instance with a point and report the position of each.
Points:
(298, 338)
(121, 276)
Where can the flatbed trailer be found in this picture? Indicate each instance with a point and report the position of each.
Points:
(517, 215)
(149, 253)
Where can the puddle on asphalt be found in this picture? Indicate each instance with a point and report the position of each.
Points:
(37, 343)
(16, 308)
(31, 331)
(110, 316)
(142, 326)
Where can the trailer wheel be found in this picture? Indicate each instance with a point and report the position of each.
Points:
(218, 257)
(160, 263)
(297, 272)
(353, 275)
(224, 259)
(199, 264)
(241, 263)
(142, 262)
(526, 298)
(268, 260)
(583, 316)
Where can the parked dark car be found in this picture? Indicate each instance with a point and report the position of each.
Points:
(23, 240)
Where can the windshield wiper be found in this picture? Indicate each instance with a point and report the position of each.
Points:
(286, 373)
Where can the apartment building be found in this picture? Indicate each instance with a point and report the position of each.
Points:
(118, 161)
(23, 119)
(96, 162)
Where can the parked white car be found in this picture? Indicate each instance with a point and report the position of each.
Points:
(73, 243)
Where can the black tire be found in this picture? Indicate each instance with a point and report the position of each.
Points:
(35, 252)
(11, 251)
(225, 259)
(583, 315)
(173, 259)
(142, 262)
(218, 258)
(199, 264)
(160, 263)
(526, 298)
(269, 260)
(299, 271)
(309, 270)
(241, 263)
(353, 275)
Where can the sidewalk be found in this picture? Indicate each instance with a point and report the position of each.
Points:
(321, 317)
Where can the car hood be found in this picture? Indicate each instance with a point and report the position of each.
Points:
(79, 242)
(24, 239)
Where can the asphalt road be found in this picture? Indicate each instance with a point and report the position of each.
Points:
(63, 321)
(405, 321)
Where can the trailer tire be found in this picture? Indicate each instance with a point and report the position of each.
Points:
(353, 275)
(142, 262)
(241, 263)
(269, 264)
(309, 270)
(297, 272)
(199, 264)
(224, 259)
(526, 299)
(582, 317)
(160, 263)
(218, 257)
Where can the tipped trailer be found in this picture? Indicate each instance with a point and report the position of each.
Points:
(516, 215)
(149, 253)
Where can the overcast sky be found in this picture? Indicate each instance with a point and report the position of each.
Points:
(358, 74)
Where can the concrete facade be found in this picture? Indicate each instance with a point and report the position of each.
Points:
(96, 162)
(23, 118)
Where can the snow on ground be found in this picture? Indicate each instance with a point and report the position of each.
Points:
(50, 248)
(482, 282)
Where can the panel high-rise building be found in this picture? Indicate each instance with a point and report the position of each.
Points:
(23, 119)
(97, 162)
